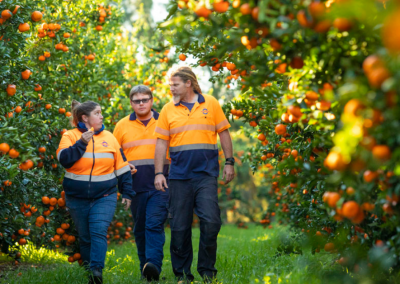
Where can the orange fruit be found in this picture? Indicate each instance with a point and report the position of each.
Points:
(65, 226)
(6, 14)
(26, 74)
(335, 161)
(353, 106)
(371, 63)
(36, 16)
(253, 123)
(342, 24)
(24, 27)
(255, 12)
(303, 20)
(350, 209)
(77, 256)
(71, 259)
(294, 153)
(45, 200)
(221, 6)
(329, 247)
(332, 199)
(370, 176)
(46, 54)
(297, 62)
(377, 76)
(391, 33)
(323, 105)
(359, 217)
(4, 148)
(68, 114)
(22, 241)
(281, 68)
(53, 201)
(322, 26)
(28, 164)
(61, 202)
(350, 190)
(381, 152)
(60, 231)
(202, 11)
(71, 239)
(245, 9)
(16, 9)
(275, 44)
(57, 238)
(21, 231)
(317, 9)
(42, 149)
(61, 110)
(38, 88)
(18, 109)
(13, 153)
(42, 58)
(295, 110)
(261, 137)
(11, 90)
(182, 57)
(66, 35)
(312, 96)
(90, 57)
(280, 129)
(99, 28)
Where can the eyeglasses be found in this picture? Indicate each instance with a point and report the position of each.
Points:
(138, 102)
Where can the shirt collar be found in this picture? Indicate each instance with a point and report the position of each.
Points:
(132, 117)
(82, 128)
(200, 99)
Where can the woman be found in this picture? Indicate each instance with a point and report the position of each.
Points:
(95, 164)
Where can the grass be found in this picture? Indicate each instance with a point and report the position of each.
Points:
(244, 256)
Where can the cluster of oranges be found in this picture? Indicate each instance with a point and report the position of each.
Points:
(117, 233)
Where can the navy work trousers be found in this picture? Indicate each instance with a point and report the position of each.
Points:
(149, 211)
(200, 194)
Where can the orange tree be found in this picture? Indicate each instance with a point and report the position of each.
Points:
(318, 84)
(53, 52)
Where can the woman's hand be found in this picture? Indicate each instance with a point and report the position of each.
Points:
(133, 169)
(87, 136)
(127, 203)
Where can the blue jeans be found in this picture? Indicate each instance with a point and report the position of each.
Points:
(92, 217)
(149, 211)
(200, 194)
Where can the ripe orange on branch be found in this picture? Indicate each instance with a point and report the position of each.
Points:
(36, 16)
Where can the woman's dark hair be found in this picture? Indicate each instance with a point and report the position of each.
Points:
(79, 109)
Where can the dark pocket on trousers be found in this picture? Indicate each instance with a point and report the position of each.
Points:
(169, 209)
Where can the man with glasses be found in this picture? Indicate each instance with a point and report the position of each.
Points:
(135, 133)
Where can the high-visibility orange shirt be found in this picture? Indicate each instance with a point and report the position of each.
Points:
(138, 142)
(93, 172)
(192, 136)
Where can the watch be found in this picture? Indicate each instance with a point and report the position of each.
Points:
(230, 161)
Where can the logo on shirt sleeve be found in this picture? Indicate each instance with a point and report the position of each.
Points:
(205, 111)
(104, 143)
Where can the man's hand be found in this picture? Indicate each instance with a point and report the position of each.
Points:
(127, 203)
(87, 136)
(133, 169)
(160, 182)
(228, 173)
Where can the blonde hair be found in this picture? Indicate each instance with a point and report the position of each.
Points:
(80, 109)
(186, 74)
